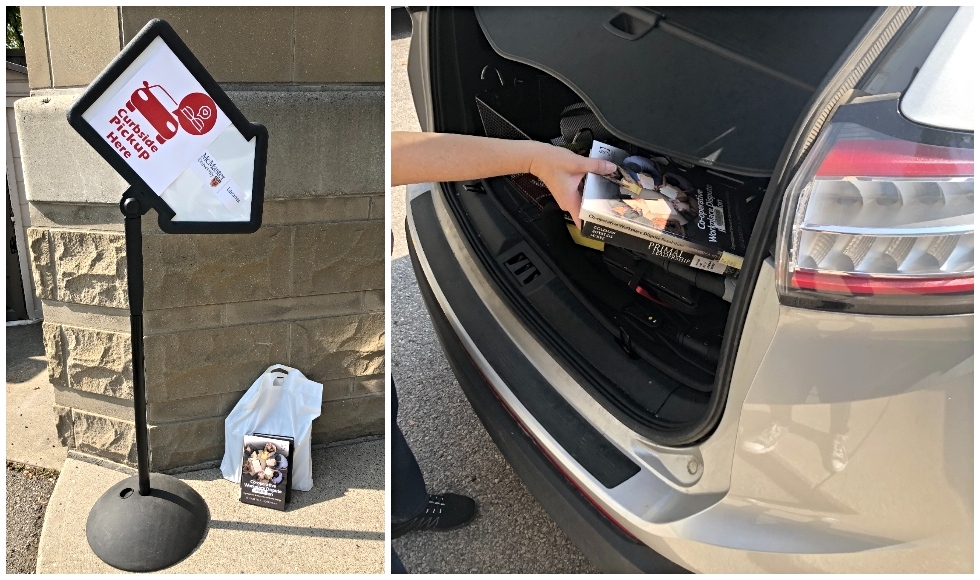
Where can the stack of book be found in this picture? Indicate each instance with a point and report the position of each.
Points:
(693, 216)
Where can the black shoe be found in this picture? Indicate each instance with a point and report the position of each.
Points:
(447, 511)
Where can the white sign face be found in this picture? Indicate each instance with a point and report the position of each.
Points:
(166, 127)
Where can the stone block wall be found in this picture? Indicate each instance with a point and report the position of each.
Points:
(306, 290)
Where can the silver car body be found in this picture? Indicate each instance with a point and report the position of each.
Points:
(893, 394)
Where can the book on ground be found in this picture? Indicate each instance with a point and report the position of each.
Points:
(266, 470)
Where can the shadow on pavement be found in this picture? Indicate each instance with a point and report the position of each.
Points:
(25, 353)
(401, 24)
(296, 530)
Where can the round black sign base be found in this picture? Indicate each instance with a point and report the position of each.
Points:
(145, 533)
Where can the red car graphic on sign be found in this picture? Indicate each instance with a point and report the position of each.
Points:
(150, 107)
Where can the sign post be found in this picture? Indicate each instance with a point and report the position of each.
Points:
(160, 120)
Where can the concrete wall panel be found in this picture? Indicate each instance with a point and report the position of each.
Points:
(348, 419)
(340, 44)
(59, 166)
(208, 362)
(343, 257)
(36, 46)
(82, 41)
(235, 44)
(192, 270)
(321, 143)
(91, 268)
(345, 346)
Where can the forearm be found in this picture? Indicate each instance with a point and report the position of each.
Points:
(424, 157)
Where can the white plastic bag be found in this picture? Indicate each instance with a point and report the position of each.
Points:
(280, 402)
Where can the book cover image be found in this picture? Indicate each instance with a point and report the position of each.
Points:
(700, 216)
(266, 471)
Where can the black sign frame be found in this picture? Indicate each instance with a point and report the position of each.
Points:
(161, 29)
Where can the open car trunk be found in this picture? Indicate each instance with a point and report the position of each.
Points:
(718, 89)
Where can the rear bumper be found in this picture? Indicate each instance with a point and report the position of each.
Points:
(603, 543)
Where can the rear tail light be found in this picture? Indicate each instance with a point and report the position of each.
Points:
(880, 221)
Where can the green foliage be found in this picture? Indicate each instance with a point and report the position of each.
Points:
(15, 33)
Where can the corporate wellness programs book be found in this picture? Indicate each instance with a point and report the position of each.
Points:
(267, 470)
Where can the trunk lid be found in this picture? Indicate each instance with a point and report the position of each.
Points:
(720, 87)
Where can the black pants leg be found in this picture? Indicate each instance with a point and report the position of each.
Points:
(396, 564)
(408, 494)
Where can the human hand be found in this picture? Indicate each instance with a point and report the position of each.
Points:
(562, 172)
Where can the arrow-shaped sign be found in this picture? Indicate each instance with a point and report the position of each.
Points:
(162, 122)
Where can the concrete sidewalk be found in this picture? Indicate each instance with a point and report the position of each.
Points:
(337, 527)
(31, 434)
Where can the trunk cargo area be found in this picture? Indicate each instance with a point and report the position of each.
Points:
(643, 335)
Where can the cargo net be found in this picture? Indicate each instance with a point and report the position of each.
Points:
(497, 126)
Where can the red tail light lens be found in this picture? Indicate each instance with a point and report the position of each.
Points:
(879, 223)
(894, 158)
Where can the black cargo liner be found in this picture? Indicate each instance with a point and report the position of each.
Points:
(687, 326)
(596, 291)
(627, 386)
